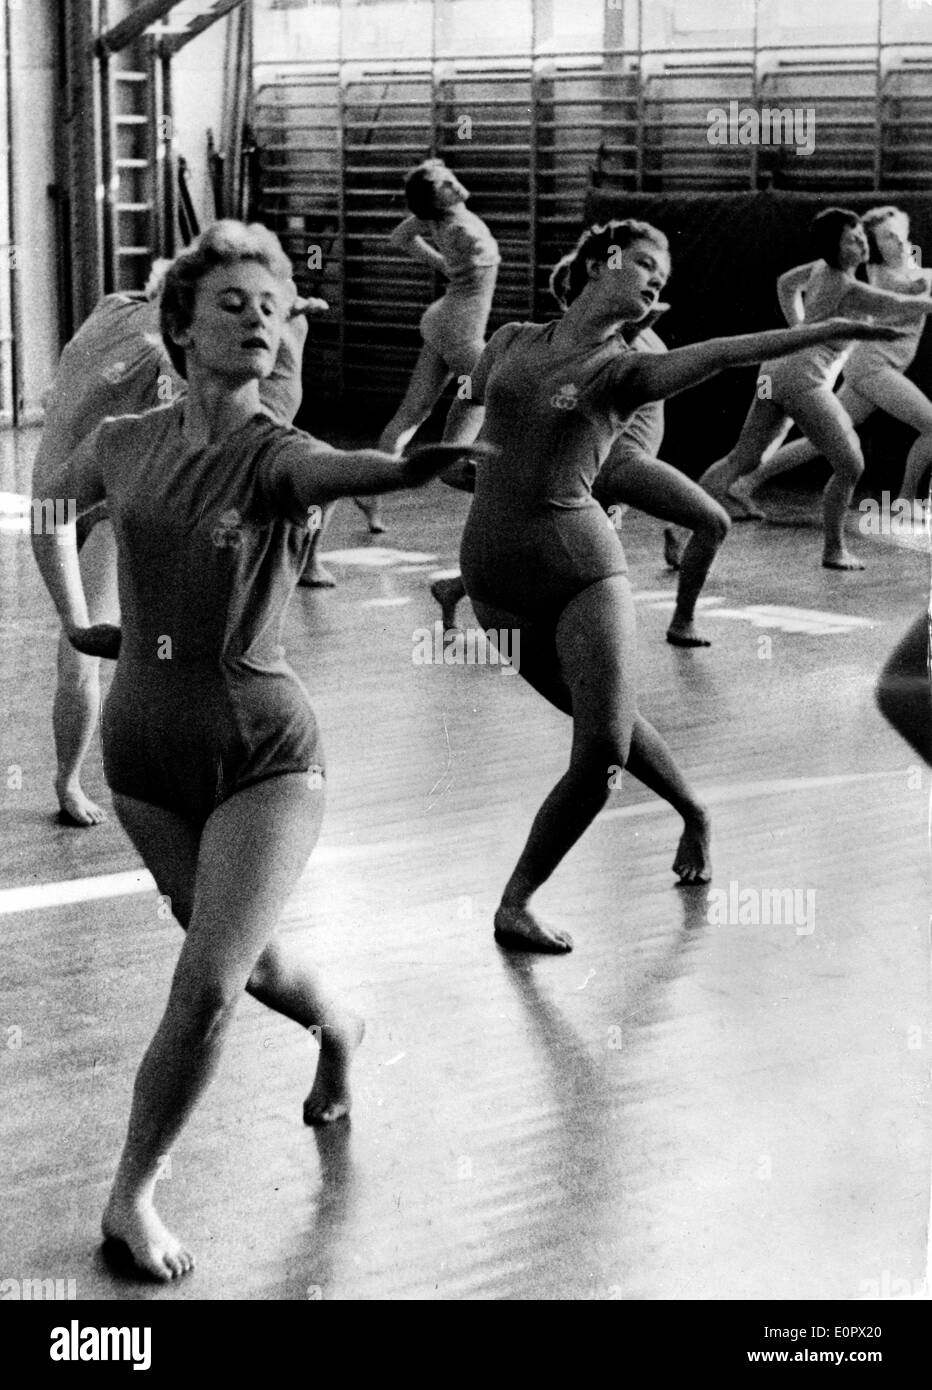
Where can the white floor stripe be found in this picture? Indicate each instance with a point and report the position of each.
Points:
(135, 881)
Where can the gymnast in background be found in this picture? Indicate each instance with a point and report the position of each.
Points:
(801, 387)
(443, 234)
(875, 373)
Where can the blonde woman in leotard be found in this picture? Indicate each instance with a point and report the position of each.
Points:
(634, 476)
(874, 374)
(116, 364)
(211, 748)
(443, 234)
(538, 555)
(800, 388)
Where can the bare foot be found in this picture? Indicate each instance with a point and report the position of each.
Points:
(693, 862)
(75, 808)
(672, 548)
(317, 576)
(369, 506)
(682, 634)
(448, 593)
(840, 560)
(138, 1226)
(329, 1097)
(519, 930)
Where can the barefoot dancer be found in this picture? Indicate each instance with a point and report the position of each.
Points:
(538, 555)
(453, 328)
(875, 372)
(116, 364)
(799, 388)
(633, 475)
(210, 745)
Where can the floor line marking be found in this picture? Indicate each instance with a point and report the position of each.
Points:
(133, 882)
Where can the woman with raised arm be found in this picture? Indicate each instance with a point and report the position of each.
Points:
(116, 364)
(800, 388)
(538, 555)
(634, 476)
(211, 748)
(875, 373)
(442, 233)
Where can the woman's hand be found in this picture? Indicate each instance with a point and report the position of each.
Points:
(427, 460)
(461, 475)
(309, 308)
(102, 639)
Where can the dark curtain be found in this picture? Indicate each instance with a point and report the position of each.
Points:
(728, 249)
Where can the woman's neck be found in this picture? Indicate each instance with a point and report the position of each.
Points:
(586, 321)
(214, 408)
(455, 213)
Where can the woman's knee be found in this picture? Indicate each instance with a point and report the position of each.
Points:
(848, 465)
(198, 1012)
(714, 525)
(75, 671)
(268, 975)
(603, 754)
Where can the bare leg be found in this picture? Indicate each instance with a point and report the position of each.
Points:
(591, 676)
(801, 451)
(765, 423)
(898, 396)
(656, 488)
(428, 379)
(315, 574)
(76, 705)
(449, 593)
(824, 422)
(246, 861)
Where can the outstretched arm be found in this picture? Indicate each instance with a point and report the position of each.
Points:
(790, 288)
(303, 473)
(656, 378)
(888, 304)
(407, 237)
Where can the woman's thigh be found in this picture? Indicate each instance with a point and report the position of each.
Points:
(596, 641)
(824, 421)
(168, 846)
(656, 488)
(536, 660)
(764, 424)
(894, 393)
(253, 849)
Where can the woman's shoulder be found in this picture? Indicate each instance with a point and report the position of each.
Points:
(158, 419)
(512, 334)
(277, 439)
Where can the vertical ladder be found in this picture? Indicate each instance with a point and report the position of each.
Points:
(134, 62)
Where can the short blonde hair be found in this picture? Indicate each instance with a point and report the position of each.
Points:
(224, 243)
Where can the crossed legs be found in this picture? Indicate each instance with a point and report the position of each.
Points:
(585, 667)
(227, 886)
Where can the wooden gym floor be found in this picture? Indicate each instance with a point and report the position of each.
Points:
(695, 1104)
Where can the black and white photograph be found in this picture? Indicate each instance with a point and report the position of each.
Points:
(466, 730)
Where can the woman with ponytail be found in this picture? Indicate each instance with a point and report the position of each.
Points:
(537, 555)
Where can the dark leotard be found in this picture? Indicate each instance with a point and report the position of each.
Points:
(535, 536)
(210, 544)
